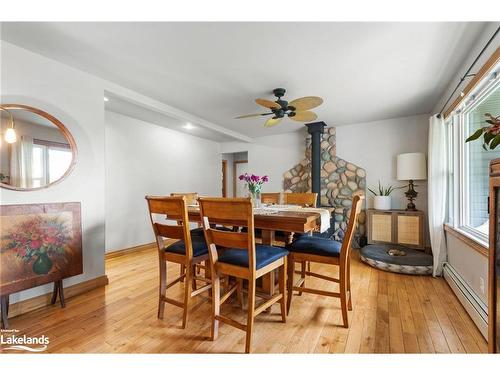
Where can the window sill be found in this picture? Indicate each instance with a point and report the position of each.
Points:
(476, 244)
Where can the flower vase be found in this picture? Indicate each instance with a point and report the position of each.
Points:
(42, 264)
(255, 199)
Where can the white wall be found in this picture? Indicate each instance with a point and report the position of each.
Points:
(272, 156)
(142, 159)
(375, 145)
(76, 99)
(371, 145)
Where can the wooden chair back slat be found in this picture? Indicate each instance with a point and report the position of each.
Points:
(301, 199)
(191, 198)
(234, 211)
(170, 231)
(165, 206)
(270, 198)
(229, 239)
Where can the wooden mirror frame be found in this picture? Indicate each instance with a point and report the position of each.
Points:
(64, 131)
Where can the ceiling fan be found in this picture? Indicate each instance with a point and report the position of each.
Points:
(297, 110)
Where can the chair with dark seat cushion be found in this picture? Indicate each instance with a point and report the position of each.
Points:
(242, 259)
(264, 255)
(187, 251)
(325, 251)
(199, 247)
(315, 245)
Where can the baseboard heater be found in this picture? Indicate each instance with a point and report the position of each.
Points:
(476, 308)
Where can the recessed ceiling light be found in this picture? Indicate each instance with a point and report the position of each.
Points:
(189, 126)
(106, 99)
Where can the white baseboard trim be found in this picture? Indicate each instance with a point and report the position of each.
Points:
(476, 308)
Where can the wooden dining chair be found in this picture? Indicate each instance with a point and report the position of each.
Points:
(326, 251)
(300, 199)
(186, 251)
(241, 259)
(270, 198)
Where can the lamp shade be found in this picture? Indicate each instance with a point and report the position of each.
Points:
(411, 166)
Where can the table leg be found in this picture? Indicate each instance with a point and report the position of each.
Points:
(269, 279)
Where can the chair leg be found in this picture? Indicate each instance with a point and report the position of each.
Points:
(303, 274)
(282, 288)
(187, 293)
(215, 306)
(343, 294)
(182, 269)
(250, 316)
(208, 275)
(193, 274)
(291, 272)
(162, 288)
(349, 301)
(239, 292)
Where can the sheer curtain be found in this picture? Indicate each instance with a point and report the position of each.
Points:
(437, 189)
(21, 169)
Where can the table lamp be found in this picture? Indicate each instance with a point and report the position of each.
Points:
(411, 167)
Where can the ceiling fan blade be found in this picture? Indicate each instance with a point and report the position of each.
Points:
(254, 115)
(304, 116)
(267, 103)
(305, 103)
(272, 122)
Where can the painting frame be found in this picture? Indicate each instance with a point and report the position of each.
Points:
(54, 254)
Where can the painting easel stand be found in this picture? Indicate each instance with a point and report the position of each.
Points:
(4, 303)
(58, 289)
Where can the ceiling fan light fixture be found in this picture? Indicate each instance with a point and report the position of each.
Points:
(297, 110)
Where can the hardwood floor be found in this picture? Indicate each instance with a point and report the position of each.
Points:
(391, 314)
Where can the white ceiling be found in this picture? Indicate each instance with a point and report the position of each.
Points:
(364, 71)
(128, 108)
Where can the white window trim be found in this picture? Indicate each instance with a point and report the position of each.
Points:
(460, 148)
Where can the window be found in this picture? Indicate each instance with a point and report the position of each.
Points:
(50, 161)
(469, 162)
(477, 161)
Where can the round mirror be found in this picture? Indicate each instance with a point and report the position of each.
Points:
(36, 149)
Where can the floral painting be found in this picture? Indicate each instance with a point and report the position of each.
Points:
(38, 244)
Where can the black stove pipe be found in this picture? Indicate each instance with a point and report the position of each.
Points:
(316, 129)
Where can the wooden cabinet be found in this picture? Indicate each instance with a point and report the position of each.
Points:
(396, 227)
(494, 260)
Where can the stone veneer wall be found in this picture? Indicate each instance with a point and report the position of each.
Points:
(340, 181)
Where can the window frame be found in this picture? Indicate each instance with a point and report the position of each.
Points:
(458, 126)
(46, 146)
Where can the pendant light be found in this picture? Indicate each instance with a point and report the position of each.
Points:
(10, 134)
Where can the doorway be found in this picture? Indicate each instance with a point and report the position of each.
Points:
(233, 165)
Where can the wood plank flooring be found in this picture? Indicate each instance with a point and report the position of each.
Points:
(391, 314)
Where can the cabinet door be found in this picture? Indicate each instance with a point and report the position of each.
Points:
(381, 227)
(409, 230)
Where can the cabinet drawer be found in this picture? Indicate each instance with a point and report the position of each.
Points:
(409, 230)
(381, 227)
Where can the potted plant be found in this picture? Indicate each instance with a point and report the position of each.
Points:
(382, 198)
(490, 133)
(254, 184)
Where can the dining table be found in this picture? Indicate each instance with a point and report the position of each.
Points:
(270, 220)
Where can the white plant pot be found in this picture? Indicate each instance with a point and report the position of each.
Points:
(382, 202)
